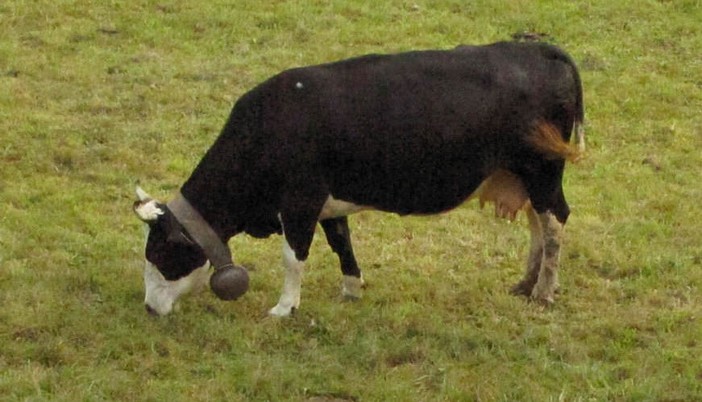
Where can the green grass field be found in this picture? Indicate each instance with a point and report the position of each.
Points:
(97, 96)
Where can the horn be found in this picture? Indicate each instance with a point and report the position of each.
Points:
(142, 195)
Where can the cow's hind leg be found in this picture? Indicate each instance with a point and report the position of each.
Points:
(542, 174)
(551, 212)
(339, 238)
(526, 285)
(547, 283)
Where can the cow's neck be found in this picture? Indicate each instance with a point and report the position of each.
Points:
(209, 202)
(201, 232)
(209, 188)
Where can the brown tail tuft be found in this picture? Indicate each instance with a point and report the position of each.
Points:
(547, 140)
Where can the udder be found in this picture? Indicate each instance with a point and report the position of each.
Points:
(506, 191)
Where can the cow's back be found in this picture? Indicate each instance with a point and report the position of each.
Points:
(414, 132)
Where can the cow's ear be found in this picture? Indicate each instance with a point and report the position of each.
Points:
(146, 208)
(176, 231)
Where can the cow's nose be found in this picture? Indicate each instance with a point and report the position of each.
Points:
(150, 310)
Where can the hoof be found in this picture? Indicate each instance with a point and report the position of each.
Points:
(351, 287)
(544, 301)
(545, 298)
(281, 311)
(522, 288)
(350, 298)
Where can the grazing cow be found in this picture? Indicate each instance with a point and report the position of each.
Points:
(410, 133)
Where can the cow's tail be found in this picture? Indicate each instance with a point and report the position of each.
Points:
(579, 122)
(580, 135)
(548, 140)
(578, 111)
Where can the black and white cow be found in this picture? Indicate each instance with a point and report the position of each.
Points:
(410, 133)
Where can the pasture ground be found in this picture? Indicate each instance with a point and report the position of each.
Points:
(96, 96)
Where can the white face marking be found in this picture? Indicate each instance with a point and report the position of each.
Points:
(290, 298)
(299, 85)
(161, 294)
(334, 208)
(148, 211)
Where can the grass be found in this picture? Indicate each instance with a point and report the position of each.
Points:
(95, 97)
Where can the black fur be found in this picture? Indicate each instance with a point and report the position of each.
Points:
(409, 133)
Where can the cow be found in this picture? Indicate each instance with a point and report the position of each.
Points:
(417, 132)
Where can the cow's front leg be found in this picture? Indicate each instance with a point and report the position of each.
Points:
(298, 218)
(552, 231)
(536, 250)
(290, 298)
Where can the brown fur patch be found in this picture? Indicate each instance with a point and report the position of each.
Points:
(506, 191)
(547, 140)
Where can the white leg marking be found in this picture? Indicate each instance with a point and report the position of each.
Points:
(537, 244)
(290, 298)
(552, 231)
(351, 287)
(531, 275)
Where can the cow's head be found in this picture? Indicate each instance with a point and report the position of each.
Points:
(177, 264)
(174, 263)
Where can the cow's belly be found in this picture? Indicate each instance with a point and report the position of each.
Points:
(503, 189)
(417, 173)
(402, 194)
